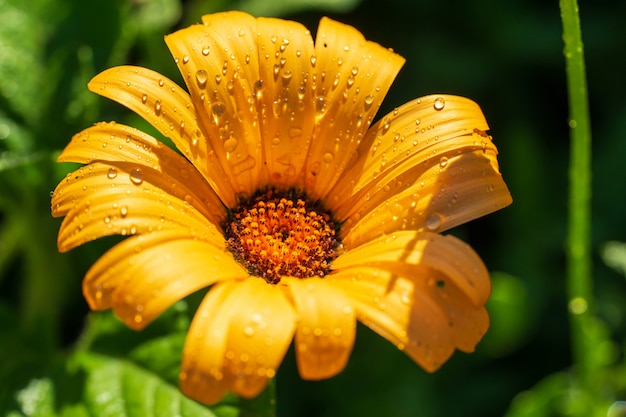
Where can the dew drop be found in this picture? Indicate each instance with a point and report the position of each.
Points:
(443, 162)
(144, 98)
(206, 50)
(313, 60)
(112, 173)
(433, 222)
(161, 82)
(386, 124)
(201, 78)
(218, 109)
(230, 144)
(320, 104)
(123, 211)
(157, 107)
(248, 331)
(328, 157)
(369, 100)
(287, 76)
(136, 176)
(258, 89)
(185, 59)
(439, 103)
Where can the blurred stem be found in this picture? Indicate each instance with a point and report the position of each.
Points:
(580, 284)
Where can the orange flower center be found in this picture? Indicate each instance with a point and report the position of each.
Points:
(278, 234)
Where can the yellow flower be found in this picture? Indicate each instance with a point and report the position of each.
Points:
(301, 215)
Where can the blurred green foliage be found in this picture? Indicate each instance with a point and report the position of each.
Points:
(58, 360)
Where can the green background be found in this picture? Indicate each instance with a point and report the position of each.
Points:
(55, 359)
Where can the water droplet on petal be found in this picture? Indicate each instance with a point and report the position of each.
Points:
(386, 124)
(136, 176)
(157, 107)
(201, 78)
(248, 331)
(439, 103)
(144, 98)
(369, 99)
(258, 89)
(230, 144)
(433, 222)
(185, 59)
(287, 76)
(320, 104)
(112, 173)
(124, 211)
(443, 162)
(218, 109)
(328, 157)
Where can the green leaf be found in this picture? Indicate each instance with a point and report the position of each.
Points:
(119, 388)
(22, 44)
(37, 399)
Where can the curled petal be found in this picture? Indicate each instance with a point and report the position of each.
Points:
(407, 175)
(116, 142)
(142, 276)
(285, 97)
(435, 200)
(352, 76)
(124, 198)
(446, 254)
(237, 340)
(326, 327)
(166, 106)
(219, 62)
(393, 304)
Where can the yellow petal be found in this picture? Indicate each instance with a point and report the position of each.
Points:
(201, 376)
(434, 179)
(389, 304)
(219, 63)
(446, 254)
(352, 76)
(125, 198)
(142, 277)
(285, 97)
(169, 109)
(237, 340)
(326, 327)
(467, 323)
(117, 142)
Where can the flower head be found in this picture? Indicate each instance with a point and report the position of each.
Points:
(300, 214)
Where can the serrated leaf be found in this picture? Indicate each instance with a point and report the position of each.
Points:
(119, 388)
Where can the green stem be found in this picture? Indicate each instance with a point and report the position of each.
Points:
(579, 279)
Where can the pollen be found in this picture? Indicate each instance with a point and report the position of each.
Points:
(277, 234)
